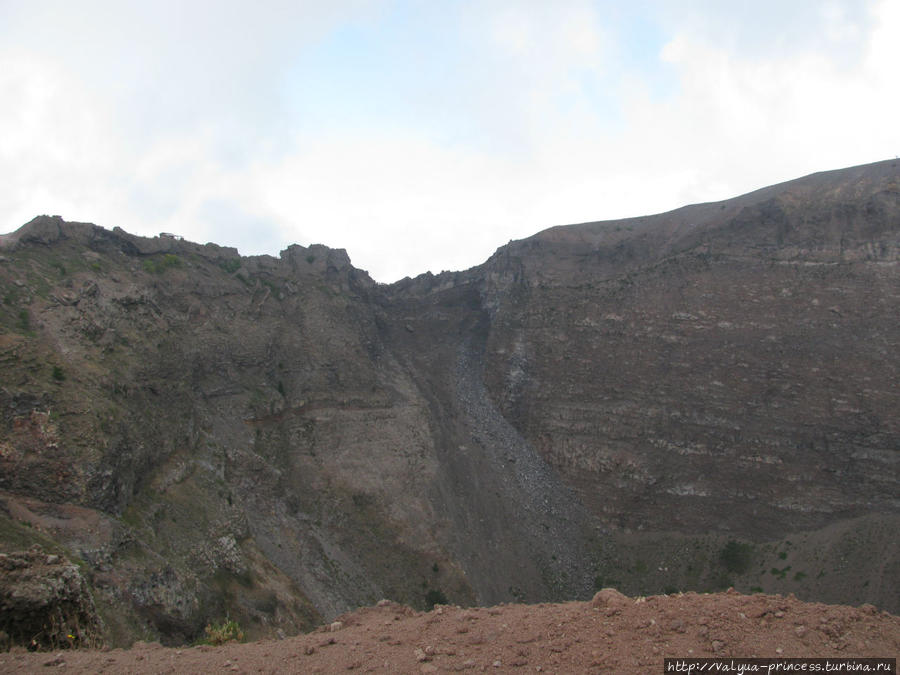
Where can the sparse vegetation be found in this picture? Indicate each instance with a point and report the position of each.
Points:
(160, 265)
(231, 265)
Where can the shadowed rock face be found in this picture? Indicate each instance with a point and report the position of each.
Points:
(282, 439)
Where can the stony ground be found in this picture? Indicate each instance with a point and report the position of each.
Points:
(611, 634)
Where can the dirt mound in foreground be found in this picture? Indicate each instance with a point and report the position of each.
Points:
(612, 633)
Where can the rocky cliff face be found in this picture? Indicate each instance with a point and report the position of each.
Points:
(282, 439)
(726, 366)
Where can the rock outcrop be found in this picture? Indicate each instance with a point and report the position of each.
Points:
(45, 602)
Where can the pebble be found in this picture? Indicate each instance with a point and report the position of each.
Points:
(58, 660)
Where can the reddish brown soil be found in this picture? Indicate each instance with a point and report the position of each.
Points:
(611, 634)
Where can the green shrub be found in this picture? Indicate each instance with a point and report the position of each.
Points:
(435, 597)
(58, 374)
(736, 556)
(780, 573)
(219, 634)
(24, 320)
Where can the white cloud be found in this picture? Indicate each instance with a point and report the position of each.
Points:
(56, 155)
(172, 117)
(401, 200)
(759, 120)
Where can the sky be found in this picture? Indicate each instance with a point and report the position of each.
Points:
(422, 135)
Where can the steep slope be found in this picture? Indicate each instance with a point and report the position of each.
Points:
(722, 372)
(683, 401)
(238, 437)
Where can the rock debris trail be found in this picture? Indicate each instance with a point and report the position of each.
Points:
(611, 634)
(546, 513)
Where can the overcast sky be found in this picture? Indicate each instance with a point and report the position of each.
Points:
(422, 135)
